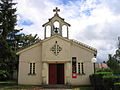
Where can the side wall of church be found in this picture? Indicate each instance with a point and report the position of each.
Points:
(33, 55)
(82, 56)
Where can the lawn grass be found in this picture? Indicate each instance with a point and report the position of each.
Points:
(5, 85)
(86, 88)
(83, 88)
(17, 86)
(8, 82)
(13, 85)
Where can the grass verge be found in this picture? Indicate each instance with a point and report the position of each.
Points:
(5, 85)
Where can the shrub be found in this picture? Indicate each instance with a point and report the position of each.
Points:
(3, 75)
(104, 70)
(105, 81)
(97, 79)
(115, 78)
(102, 80)
(104, 73)
(116, 86)
(108, 81)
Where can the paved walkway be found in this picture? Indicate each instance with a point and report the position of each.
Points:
(53, 89)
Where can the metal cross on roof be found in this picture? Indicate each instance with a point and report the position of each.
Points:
(56, 10)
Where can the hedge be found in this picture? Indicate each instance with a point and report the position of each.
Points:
(116, 86)
(3, 75)
(104, 80)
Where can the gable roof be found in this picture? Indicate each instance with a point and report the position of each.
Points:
(56, 17)
(84, 46)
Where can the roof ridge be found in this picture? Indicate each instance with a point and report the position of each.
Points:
(85, 45)
(28, 45)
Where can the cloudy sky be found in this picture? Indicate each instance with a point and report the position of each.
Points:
(93, 22)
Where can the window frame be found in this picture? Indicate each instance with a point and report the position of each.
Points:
(32, 69)
(74, 65)
(80, 68)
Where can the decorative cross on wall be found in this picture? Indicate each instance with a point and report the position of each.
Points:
(56, 10)
(56, 48)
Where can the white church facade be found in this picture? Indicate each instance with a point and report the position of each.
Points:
(56, 59)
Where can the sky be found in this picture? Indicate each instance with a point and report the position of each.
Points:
(93, 22)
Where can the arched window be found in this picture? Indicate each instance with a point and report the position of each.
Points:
(64, 31)
(56, 27)
(48, 31)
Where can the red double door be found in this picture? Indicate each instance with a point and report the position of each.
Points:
(56, 74)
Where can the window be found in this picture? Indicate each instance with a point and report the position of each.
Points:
(73, 64)
(32, 68)
(80, 68)
(56, 27)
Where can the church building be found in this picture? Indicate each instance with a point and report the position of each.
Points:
(56, 59)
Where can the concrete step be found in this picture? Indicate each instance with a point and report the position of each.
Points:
(57, 86)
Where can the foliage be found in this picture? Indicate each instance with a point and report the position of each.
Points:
(10, 39)
(7, 59)
(7, 18)
(117, 54)
(104, 73)
(104, 80)
(103, 70)
(113, 64)
(7, 24)
(107, 79)
(25, 40)
(116, 83)
(111, 76)
(116, 86)
(22, 40)
(3, 75)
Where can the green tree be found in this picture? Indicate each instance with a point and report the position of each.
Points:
(8, 21)
(7, 18)
(27, 40)
(7, 28)
(22, 41)
(113, 64)
(10, 39)
(7, 60)
(117, 55)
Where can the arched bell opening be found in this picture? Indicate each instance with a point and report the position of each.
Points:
(56, 27)
(48, 31)
(64, 31)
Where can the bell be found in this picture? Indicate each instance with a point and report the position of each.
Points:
(56, 30)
